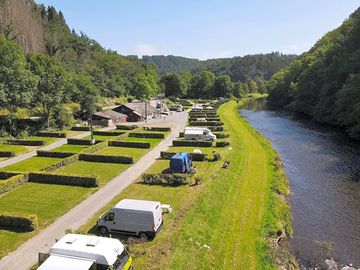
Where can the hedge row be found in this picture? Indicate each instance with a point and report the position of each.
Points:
(12, 182)
(26, 142)
(192, 143)
(164, 179)
(161, 129)
(81, 141)
(80, 128)
(181, 134)
(7, 154)
(62, 163)
(108, 133)
(18, 222)
(6, 175)
(125, 127)
(63, 179)
(194, 156)
(51, 154)
(147, 135)
(52, 134)
(107, 159)
(210, 119)
(130, 144)
(94, 148)
(218, 128)
(221, 135)
(185, 102)
(222, 144)
(207, 123)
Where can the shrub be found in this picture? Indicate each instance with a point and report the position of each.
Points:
(12, 181)
(181, 134)
(194, 156)
(26, 142)
(18, 222)
(218, 128)
(147, 135)
(215, 156)
(130, 144)
(62, 163)
(95, 148)
(108, 133)
(207, 123)
(221, 135)
(192, 143)
(80, 128)
(222, 144)
(162, 129)
(107, 159)
(63, 179)
(81, 141)
(125, 127)
(7, 154)
(51, 154)
(52, 134)
(173, 180)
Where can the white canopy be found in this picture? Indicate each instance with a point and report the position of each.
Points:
(55, 262)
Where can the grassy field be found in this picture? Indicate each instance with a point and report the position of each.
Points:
(222, 223)
(136, 153)
(100, 137)
(31, 164)
(73, 148)
(153, 142)
(46, 201)
(18, 149)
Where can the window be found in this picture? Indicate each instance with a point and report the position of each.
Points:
(110, 217)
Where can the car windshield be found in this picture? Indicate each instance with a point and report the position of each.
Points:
(121, 260)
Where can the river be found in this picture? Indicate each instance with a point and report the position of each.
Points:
(324, 173)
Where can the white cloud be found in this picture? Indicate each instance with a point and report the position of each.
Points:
(145, 49)
(224, 54)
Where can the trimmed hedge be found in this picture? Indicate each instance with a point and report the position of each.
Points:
(107, 159)
(52, 134)
(7, 154)
(173, 180)
(207, 123)
(181, 134)
(222, 144)
(125, 127)
(62, 163)
(194, 156)
(12, 181)
(51, 154)
(18, 222)
(144, 145)
(221, 135)
(63, 179)
(26, 142)
(161, 129)
(108, 133)
(218, 128)
(95, 148)
(80, 128)
(147, 135)
(81, 141)
(192, 143)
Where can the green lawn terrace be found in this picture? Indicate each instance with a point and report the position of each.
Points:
(153, 142)
(31, 164)
(136, 153)
(71, 148)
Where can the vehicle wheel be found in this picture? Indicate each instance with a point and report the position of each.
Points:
(143, 236)
(103, 230)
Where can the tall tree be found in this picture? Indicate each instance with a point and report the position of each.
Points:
(223, 86)
(172, 85)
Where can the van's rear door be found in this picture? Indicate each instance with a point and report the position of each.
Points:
(157, 217)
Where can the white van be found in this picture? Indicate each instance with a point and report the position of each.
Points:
(86, 252)
(199, 134)
(142, 218)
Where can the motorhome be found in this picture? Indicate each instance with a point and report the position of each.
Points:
(86, 252)
(137, 217)
(199, 134)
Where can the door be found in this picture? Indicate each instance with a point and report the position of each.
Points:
(109, 221)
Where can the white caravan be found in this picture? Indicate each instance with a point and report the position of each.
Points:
(199, 134)
(142, 218)
(87, 252)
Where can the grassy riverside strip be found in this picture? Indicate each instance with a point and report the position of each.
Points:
(226, 222)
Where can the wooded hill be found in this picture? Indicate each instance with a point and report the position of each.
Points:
(324, 83)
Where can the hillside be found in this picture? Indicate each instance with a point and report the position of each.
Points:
(324, 83)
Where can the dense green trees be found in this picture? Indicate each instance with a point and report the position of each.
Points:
(324, 82)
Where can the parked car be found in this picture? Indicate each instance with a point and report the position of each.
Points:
(199, 134)
(180, 163)
(137, 217)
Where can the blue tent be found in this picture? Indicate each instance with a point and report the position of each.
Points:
(180, 163)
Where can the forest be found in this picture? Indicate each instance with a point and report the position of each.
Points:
(324, 82)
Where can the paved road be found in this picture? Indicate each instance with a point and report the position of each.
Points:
(26, 255)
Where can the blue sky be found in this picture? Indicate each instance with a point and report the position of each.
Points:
(205, 28)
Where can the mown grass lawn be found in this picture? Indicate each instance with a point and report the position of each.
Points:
(18, 149)
(136, 153)
(153, 142)
(73, 148)
(31, 164)
(101, 137)
(46, 201)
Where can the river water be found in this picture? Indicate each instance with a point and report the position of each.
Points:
(324, 172)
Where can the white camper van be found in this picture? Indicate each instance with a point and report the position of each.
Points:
(199, 134)
(87, 252)
(142, 218)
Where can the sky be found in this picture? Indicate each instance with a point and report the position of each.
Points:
(205, 28)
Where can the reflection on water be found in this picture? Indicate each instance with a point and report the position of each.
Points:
(324, 171)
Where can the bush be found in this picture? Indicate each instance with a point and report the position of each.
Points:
(192, 143)
(62, 163)
(80, 128)
(95, 148)
(218, 128)
(51, 154)
(52, 134)
(107, 159)
(108, 133)
(221, 135)
(7, 154)
(222, 144)
(26, 142)
(194, 156)
(130, 144)
(181, 134)
(81, 141)
(215, 156)
(207, 123)
(12, 181)
(18, 222)
(63, 179)
(173, 180)
(161, 129)
(147, 135)
(125, 127)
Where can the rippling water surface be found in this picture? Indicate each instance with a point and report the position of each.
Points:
(324, 171)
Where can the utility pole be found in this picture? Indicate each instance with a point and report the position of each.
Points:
(92, 140)
(145, 112)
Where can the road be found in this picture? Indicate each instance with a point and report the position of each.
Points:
(26, 255)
